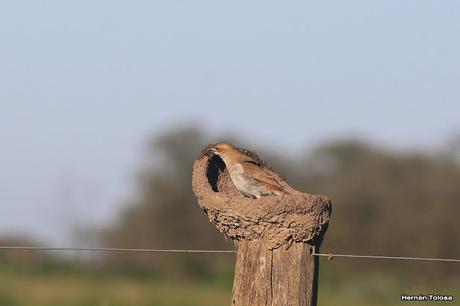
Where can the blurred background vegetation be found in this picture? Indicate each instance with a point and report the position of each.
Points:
(356, 100)
(385, 202)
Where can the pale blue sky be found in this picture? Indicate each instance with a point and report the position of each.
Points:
(84, 83)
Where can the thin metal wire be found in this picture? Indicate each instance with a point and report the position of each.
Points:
(103, 249)
(98, 249)
(331, 256)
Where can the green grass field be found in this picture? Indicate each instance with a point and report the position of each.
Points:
(78, 287)
(75, 289)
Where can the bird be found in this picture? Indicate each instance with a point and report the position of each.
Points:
(247, 173)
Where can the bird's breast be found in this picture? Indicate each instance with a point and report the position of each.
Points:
(238, 176)
(237, 168)
(245, 183)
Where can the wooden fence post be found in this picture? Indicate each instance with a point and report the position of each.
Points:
(275, 236)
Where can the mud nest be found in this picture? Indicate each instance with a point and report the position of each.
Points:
(277, 220)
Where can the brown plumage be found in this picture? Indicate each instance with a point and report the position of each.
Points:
(247, 173)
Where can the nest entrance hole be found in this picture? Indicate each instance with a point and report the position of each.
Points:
(215, 168)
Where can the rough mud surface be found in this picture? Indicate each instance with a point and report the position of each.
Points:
(277, 220)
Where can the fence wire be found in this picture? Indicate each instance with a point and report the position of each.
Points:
(146, 250)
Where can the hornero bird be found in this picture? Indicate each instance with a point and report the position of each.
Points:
(247, 174)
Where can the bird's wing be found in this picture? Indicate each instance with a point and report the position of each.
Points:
(261, 175)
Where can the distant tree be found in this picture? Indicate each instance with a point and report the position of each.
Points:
(453, 148)
(164, 212)
(387, 202)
